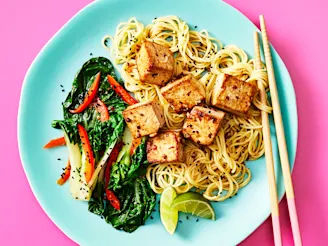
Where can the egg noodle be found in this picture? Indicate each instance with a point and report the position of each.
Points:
(217, 171)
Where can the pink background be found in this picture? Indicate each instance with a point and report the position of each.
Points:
(296, 29)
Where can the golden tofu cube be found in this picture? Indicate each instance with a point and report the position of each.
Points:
(183, 94)
(233, 95)
(202, 124)
(155, 63)
(144, 118)
(165, 147)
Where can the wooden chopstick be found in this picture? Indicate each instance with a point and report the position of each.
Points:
(281, 137)
(268, 150)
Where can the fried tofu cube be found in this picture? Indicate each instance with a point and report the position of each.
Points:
(233, 95)
(165, 147)
(183, 94)
(144, 118)
(202, 124)
(155, 63)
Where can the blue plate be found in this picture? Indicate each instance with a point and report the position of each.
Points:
(41, 100)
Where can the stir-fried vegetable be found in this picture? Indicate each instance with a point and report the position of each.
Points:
(78, 186)
(103, 169)
(88, 160)
(138, 202)
(121, 91)
(127, 166)
(89, 97)
(135, 143)
(55, 143)
(110, 194)
(127, 182)
(91, 134)
(101, 108)
(65, 175)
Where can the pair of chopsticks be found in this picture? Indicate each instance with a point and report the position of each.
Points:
(281, 143)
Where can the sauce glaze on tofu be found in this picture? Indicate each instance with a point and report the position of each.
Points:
(183, 94)
(233, 95)
(165, 147)
(203, 124)
(144, 118)
(155, 63)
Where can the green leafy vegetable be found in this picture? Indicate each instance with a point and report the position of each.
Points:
(102, 135)
(128, 167)
(84, 79)
(131, 187)
(138, 203)
(97, 205)
(127, 179)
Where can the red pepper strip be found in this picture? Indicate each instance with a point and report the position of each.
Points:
(102, 110)
(126, 97)
(65, 174)
(90, 160)
(113, 199)
(89, 97)
(135, 143)
(112, 158)
(55, 143)
(110, 194)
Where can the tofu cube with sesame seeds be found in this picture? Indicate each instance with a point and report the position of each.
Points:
(165, 147)
(144, 118)
(183, 94)
(233, 95)
(155, 63)
(202, 124)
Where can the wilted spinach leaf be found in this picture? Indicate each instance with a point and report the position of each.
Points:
(101, 134)
(137, 203)
(129, 167)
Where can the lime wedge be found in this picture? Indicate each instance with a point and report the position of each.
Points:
(195, 204)
(169, 215)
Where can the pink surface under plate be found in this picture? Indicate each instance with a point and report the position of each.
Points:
(298, 31)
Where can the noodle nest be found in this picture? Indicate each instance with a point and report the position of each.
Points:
(217, 171)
